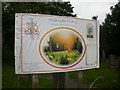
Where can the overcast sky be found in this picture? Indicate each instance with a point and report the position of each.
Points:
(89, 8)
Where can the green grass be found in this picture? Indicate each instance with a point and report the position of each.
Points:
(11, 80)
(109, 80)
(73, 74)
(45, 83)
(109, 77)
(63, 57)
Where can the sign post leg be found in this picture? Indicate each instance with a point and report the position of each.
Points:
(79, 79)
(55, 80)
(34, 81)
(62, 80)
(17, 82)
(59, 80)
(66, 80)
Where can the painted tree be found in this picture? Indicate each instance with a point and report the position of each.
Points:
(78, 45)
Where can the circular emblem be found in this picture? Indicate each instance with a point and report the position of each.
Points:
(62, 47)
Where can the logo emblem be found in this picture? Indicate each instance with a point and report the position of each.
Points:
(89, 31)
(32, 29)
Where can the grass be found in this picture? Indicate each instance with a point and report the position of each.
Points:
(109, 77)
(63, 57)
(109, 80)
(45, 83)
(73, 74)
(11, 80)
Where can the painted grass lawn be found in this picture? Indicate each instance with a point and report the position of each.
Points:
(63, 57)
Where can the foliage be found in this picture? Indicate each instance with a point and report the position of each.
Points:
(63, 57)
(8, 57)
(10, 8)
(110, 31)
(94, 17)
(78, 45)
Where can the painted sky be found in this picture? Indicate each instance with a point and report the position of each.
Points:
(65, 38)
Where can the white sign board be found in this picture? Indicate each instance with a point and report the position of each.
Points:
(46, 43)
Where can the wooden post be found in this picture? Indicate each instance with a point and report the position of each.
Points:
(62, 80)
(35, 81)
(17, 82)
(55, 80)
(66, 80)
(59, 80)
(79, 79)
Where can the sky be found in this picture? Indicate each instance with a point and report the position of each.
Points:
(89, 8)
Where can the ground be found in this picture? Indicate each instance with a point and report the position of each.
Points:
(109, 78)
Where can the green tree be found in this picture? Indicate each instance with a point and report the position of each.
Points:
(78, 45)
(110, 32)
(10, 8)
(94, 17)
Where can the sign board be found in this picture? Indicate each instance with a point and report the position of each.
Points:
(47, 43)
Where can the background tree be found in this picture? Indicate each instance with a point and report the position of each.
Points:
(94, 17)
(110, 32)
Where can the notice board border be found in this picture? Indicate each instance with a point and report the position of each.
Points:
(54, 70)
